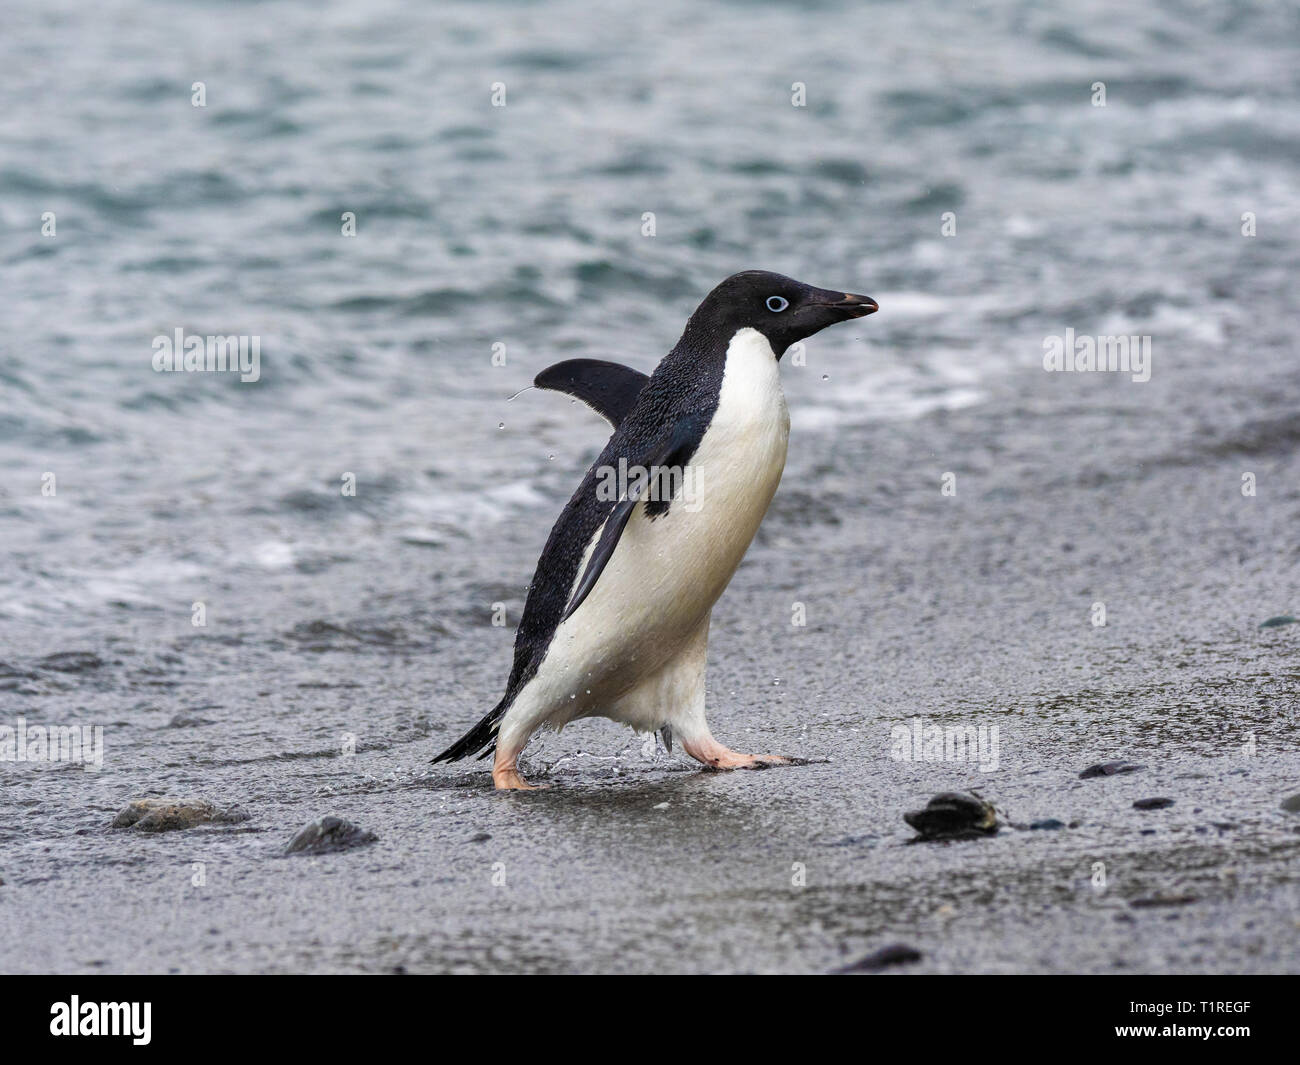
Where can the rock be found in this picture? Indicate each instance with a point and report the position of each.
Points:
(1049, 823)
(1109, 769)
(1152, 804)
(327, 835)
(170, 815)
(1291, 804)
(895, 954)
(1162, 900)
(953, 815)
(480, 837)
(1278, 622)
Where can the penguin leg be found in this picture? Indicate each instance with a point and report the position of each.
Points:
(505, 771)
(686, 689)
(516, 729)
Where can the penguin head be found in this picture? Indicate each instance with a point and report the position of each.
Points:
(784, 310)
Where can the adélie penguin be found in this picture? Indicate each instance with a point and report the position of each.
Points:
(616, 623)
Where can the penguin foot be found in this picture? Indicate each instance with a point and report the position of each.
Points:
(513, 780)
(506, 776)
(714, 755)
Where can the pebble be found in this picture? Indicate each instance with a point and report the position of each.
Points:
(1109, 769)
(895, 954)
(953, 815)
(170, 815)
(328, 834)
(1151, 901)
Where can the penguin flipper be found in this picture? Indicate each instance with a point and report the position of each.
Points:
(675, 449)
(606, 387)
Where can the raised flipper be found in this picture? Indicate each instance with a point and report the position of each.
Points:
(675, 449)
(606, 387)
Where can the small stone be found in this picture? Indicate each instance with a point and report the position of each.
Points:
(1151, 901)
(1109, 769)
(1291, 804)
(895, 954)
(953, 815)
(1049, 823)
(327, 835)
(1278, 622)
(480, 837)
(1152, 804)
(171, 815)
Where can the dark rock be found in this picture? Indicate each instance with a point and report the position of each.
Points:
(170, 815)
(1278, 622)
(895, 954)
(327, 835)
(1109, 769)
(1151, 901)
(480, 837)
(953, 815)
(1291, 804)
(1152, 804)
(1051, 822)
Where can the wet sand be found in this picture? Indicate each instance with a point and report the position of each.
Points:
(973, 609)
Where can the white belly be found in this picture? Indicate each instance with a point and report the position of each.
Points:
(651, 605)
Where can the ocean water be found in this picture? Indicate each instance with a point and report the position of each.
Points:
(522, 226)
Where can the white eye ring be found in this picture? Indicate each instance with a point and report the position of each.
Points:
(776, 304)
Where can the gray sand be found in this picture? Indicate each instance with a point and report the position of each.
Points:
(973, 609)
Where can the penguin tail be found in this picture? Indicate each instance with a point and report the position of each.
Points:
(481, 739)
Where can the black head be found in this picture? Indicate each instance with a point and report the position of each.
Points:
(782, 309)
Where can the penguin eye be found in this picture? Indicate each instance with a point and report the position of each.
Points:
(776, 304)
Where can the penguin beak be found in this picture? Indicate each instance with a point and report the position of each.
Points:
(853, 306)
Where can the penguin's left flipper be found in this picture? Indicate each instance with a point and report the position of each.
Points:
(675, 449)
(606, 387)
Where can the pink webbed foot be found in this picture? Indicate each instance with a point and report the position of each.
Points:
(506, 775)
(711, 753)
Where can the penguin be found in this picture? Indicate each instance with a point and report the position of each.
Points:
(616, 620)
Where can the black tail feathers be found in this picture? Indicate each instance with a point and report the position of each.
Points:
(481, 736)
